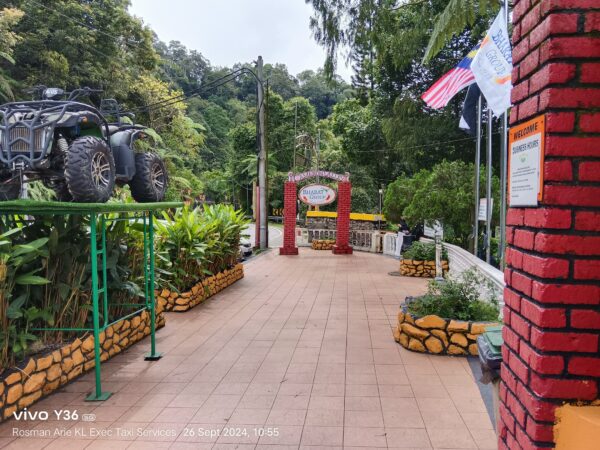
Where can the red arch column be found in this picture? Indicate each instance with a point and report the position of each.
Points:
(342, 246)
(552, 315)
(289, 219)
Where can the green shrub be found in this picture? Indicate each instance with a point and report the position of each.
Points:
(458, 299)
(423, 251)
(195, 243)
(45, 269)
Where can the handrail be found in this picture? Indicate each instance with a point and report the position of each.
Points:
(461, 260)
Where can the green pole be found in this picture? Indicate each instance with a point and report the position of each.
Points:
(153, 355)
(98, 395)
(146, 278)
(104, 277)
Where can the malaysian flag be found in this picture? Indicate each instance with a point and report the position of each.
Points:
(438, 95)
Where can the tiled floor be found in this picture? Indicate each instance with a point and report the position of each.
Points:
(299, 354)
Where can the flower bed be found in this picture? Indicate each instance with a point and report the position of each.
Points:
(437, 335)
(424, 269)
(423, 326)
(322, 244)
(179, 302)
(40, 375)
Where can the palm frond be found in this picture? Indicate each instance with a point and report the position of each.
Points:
(457, 15)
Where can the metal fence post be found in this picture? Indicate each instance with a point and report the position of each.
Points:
(153, 355)
(98, 395)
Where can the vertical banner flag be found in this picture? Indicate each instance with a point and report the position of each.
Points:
(492, 66)
(468, 120)
(442, 91)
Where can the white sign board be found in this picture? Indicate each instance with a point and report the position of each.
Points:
(432, 231)
(482, 216)
(526, 153)
(316, 195)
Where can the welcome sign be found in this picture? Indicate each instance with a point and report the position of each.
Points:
(316, 195)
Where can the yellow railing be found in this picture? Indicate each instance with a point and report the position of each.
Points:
(353, 216)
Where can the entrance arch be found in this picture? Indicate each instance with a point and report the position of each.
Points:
(341, 246)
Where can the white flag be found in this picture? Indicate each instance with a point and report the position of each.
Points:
(492, 66)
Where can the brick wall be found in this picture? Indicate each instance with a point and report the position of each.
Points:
(343, 219)
(552, 314)
(289, 219)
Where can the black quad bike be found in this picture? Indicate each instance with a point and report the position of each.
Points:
(72, 148)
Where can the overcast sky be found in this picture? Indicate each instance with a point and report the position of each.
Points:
(230, 31)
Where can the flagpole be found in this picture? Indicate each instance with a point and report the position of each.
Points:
(477, 180)
(503, 169)
(488, 224)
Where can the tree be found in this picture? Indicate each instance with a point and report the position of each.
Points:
(69, 43)
(9, 18)
(400, 193)
(458, 15)
(444, 194)
(323, 93)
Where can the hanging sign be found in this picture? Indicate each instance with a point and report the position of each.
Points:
(526, 162)
(316, 195)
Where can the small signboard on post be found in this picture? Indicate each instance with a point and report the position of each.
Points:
(526, 160)
(431, 232)
(482, 216)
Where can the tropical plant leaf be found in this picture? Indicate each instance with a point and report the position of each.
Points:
(30, 279)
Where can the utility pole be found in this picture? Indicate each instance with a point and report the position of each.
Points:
(262, 158)
(295, 136)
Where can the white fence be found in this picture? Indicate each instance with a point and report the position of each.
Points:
(389, 244)
(360, 240)
(461, 260)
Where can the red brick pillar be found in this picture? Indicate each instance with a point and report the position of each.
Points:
(289, 219)
(342, 240)
(552, 315)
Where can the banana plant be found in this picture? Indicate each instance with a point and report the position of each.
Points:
(18, 275)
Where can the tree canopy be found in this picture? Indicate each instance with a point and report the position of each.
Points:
(204, 120)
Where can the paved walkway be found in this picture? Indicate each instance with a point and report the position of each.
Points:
(299, 354)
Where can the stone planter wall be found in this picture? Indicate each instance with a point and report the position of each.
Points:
(435, 335)
(322, 244)
(182, 301)
(416, 268)
(41, 375)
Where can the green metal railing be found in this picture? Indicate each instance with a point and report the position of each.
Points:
(98, 219)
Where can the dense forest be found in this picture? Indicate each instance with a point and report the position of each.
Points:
(377, 127)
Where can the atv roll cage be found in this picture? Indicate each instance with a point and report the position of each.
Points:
(33, 123)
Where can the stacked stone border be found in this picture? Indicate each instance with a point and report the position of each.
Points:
(423, 269)
(41, 375)
(436, 335)
(322, 244)
(183, 301)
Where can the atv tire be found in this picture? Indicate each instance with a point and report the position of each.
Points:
(150, 181)
(9, 190)
(90, 170)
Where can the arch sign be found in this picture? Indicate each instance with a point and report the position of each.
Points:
(316, 195)
(295, 177)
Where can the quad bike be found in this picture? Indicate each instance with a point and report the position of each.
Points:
(72, 148)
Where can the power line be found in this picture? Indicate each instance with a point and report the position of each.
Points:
(181, 97)
(432, 144)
